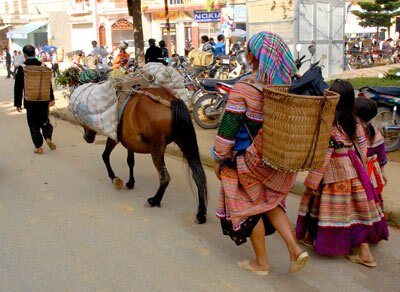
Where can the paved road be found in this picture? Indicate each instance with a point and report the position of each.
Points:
(65, 228)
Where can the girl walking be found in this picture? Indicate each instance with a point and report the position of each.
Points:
(340, 209)
(366, 110)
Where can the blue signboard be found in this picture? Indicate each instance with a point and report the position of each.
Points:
(204, 16)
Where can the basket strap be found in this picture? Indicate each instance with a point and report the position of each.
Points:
(248, 131)
(313, 147)
(40, 85)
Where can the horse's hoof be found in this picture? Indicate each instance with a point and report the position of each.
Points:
(201, 218)
(152, 202)
(130, 185)
(118, 183)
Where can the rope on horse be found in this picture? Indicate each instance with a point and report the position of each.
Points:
(156, 98)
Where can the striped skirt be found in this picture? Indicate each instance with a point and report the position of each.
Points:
(340, 217)
(249, 190)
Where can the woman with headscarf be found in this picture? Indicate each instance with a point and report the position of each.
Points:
(122, 58)
(252, 195)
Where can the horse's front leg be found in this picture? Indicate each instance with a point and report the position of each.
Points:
(131, 163)
(110, 145)
(159, 163)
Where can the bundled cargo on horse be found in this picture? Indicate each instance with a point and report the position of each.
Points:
(168, 78)
(97, 105)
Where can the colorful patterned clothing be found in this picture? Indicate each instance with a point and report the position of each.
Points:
(376, 160)
(378, 148)
(248, 188)
(344, 211)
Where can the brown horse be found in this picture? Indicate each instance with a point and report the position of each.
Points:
(147, 126)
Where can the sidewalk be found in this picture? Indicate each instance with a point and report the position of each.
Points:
(377, 72)
(205, 139)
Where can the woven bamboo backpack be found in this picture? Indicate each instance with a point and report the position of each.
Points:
(37, 82)
(296, 128)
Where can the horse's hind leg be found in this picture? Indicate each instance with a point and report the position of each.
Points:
(159, 163)
(131, 163)
(110, 145)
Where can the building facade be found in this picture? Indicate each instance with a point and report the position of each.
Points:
(27, 21)
(73, 24)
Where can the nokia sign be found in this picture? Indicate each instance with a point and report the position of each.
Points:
(204, 16)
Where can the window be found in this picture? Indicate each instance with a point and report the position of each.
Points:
(121, 4)
(174, 2)
(15, 7)
(24, 4)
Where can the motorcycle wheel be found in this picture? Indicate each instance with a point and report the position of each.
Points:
(200, 108)
(195, 96)
(224, 72)
(382, 119)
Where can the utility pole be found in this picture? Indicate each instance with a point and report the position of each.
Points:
(168, 27)
(134, 8)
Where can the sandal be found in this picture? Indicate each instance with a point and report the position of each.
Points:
(38, 150)
(245, 265)
(306, 243)
(357, 260)
(299, 263)
(51, 145)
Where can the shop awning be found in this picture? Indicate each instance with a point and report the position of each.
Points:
(23, 31)
(239, 13)
(2, 27)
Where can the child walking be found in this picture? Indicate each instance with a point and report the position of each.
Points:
(340, 209)
(366, 110)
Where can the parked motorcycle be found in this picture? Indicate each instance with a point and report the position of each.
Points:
(209, 108)
(388, 118)
(228, 67)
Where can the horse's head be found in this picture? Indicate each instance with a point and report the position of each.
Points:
(89, 135)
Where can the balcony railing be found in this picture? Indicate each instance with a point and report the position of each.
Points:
(80, 8)
(121, 4)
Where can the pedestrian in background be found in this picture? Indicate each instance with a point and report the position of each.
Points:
(153, 53)
(7, 58)
(220, 46)
(212, 42)
(16, 62)
(122, 58)
(164, 52)
(206, 46)
(37, 112)
(252, 195)
(339, 209)
(54, 63)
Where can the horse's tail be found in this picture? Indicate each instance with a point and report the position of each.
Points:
(184, 136)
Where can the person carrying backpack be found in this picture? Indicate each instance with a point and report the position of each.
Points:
(37, 111)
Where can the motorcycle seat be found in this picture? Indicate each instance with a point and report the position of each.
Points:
(224, 84)
(387, 90)
(212, 82)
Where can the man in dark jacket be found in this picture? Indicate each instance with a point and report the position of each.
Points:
(164, 52)
(153, 53)
(8, 63)
(37, 112)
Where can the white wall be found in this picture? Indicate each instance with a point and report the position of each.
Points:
(82, 36)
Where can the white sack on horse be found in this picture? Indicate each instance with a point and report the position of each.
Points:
(95, 105)
(168, 78)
